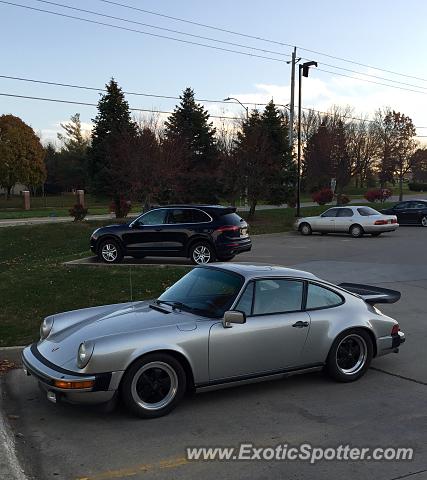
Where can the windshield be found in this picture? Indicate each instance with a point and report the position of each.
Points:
(367, 211)
(206, 291)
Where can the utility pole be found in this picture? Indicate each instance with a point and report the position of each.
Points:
(292, 104)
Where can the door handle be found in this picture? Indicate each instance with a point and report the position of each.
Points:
(300, 324)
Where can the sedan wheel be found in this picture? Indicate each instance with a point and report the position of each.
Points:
(356, 231)
(110, 252)
(350, 356)
(305, 229)
(424, 222)
(201, 253)
(153, 385)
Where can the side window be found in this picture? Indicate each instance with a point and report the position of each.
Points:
(332, 212)
(401, 206)
(245, 302)
(180, 215)
(319, 297)
(345, 212)
(277, 296)
(200, 217)
(155, 217)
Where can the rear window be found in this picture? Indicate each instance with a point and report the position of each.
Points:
(231, 219)
(367, 211)
(200, 217)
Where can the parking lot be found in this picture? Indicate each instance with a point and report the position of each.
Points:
(385, 408)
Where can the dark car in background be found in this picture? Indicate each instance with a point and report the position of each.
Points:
(203, 233)
(410, 212)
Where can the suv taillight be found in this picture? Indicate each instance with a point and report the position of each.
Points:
(228, 228)
(395, 329)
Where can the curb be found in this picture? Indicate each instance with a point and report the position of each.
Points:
(11, 354)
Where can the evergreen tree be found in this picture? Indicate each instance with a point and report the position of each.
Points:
(189, 129)
(109, 162)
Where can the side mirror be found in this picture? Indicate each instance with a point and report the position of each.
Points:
(233, 316)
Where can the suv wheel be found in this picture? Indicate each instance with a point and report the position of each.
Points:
(110, 251)
(201, 252)
(424, 221)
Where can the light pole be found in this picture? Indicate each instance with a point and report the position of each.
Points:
(302, 72)
(238, 101)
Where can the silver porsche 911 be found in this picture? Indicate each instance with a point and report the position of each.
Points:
(219, 325)
(355, 220)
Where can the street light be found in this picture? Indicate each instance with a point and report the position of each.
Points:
(238, 101)
(302, 72)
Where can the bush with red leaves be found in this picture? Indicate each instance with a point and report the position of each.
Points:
(378, 194)
(79, 212)
(122, 210)
(323, 196)
(342, 199)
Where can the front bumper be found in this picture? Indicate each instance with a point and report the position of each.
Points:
(35, 365)
(390, 343)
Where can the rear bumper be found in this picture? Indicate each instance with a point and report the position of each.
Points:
(103, 390)
(390, 343)
(233, 247)
(390, 227)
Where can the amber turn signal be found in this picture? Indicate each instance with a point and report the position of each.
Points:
(74, 385)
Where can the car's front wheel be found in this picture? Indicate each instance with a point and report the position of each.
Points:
(110, 251)
(153, 385)
(305, 229)
(201, 252)
(350, 356)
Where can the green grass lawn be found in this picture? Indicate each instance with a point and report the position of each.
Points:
(34, 282)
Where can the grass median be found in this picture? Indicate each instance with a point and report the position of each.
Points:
(34, 282)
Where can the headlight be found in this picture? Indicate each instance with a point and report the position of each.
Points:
(46, 327)
(84, 353)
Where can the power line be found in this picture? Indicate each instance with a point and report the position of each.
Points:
(254, 37)
(163, 28)
(167, 97)
(247, 54)
(92, 12)
(371, 81)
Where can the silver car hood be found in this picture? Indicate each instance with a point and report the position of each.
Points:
(88, 324)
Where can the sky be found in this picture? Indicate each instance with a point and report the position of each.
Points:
(380, 33)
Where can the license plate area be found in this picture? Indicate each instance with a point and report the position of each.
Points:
(244, 232)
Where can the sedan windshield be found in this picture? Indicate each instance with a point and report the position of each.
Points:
(205, 291)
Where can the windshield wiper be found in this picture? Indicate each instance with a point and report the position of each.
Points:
(182, 306)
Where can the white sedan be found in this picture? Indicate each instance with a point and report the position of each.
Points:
(355, 220)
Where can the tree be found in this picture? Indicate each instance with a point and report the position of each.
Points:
(21, 154)
(419, 165)
(109, 157)
(397, 133)
(71, 161)
(189, 127)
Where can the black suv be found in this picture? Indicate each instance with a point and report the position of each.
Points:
(411, 212)
(203, 233)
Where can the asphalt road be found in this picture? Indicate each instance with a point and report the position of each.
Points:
(385, 408)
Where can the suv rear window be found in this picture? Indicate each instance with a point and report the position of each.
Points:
(200, 217)
(231, 219)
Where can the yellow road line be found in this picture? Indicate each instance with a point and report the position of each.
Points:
(137, 469)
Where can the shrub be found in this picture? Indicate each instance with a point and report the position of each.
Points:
(417, 187)
(380, 194)
(122, 210)
(323, 196)
(79, 212)
(342, 199)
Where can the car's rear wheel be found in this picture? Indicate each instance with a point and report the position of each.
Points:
(424, 221)
(153, 385)
(201, 252)
(350, 356)
(356, 231)
(305, 229)
(110, 251)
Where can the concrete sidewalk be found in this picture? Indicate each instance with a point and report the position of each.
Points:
(10, 468)
(13, 222)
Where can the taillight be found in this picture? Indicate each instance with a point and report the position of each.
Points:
(394, 220)
(395, 329)
(380, 222)
(228, 228)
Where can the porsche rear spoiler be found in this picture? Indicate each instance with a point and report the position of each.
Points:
(372, 295)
